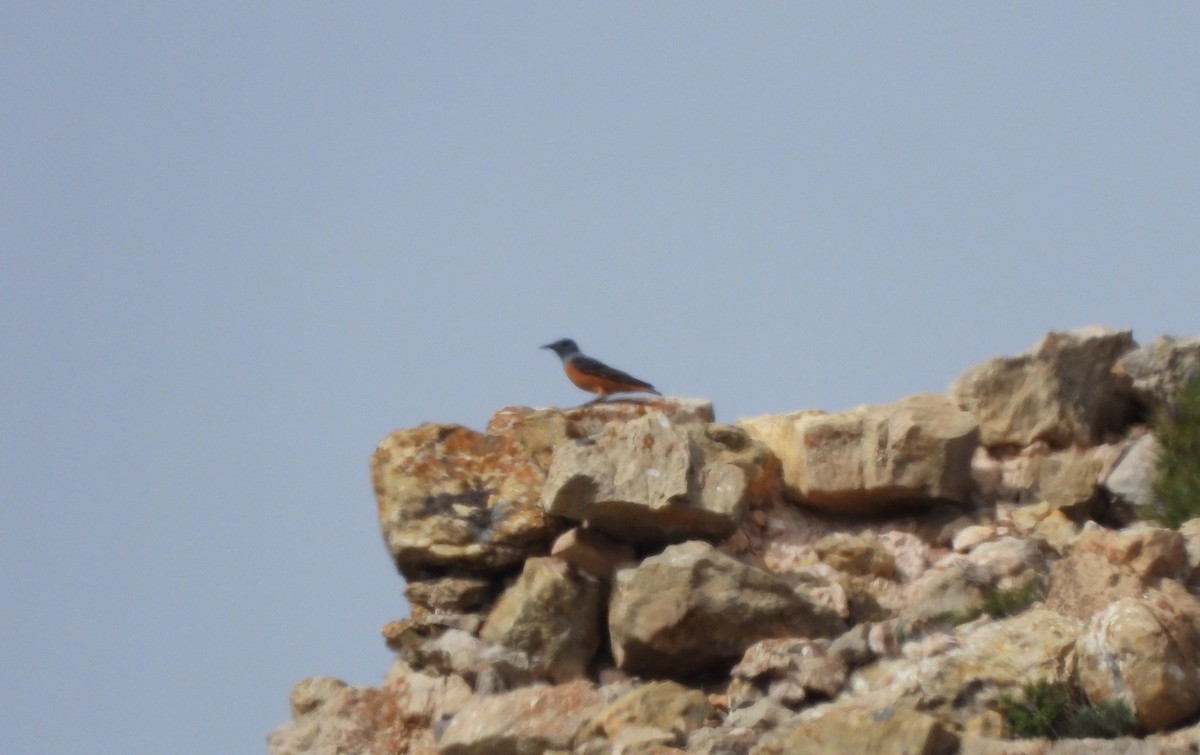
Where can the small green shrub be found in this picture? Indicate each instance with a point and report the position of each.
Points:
(1039, 712)
(1108, 720)
(1177, 484)
(1051, 711)
(1001, 603)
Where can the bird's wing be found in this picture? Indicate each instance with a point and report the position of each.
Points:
(602, 370)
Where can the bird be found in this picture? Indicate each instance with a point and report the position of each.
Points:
(593, 375)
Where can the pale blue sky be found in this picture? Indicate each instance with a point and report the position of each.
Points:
(243, 242)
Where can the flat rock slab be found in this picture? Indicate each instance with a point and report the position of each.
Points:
(881, 731)
(873, 460)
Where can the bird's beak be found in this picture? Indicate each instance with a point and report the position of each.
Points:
(547, 346)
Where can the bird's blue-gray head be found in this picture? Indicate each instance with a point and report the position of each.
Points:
(565, 348)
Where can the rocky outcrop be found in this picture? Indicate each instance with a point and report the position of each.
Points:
(693, 611)
(873, 459)
(885, 731)
(451, 498)
(551, 613)
(1105, 566)
(398, 717)
(1153, 374)
(634, 578)
(654, 480)
(1131, 478)
(990, 659)
(788, 671)
(1062, 391)
(660, 712)
(527, 720)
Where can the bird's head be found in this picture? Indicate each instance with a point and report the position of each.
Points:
(565, 348)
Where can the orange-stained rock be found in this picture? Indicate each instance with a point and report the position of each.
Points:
(393, 718)
(1106, 565)
(452, 498)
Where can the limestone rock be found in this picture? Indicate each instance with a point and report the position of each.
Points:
(873, 459)
(541, 429)
(1068, 480)
(884, 731)
(453, 499)
(653, 480)
(527, 720)
(632, 740)
(1084, 583)
(396, 717)
(969, 537)
(1106, 565)
(313, 692)
(1145, 652)
(693, 610)
(450, 651)
(1010, 561)
(997, 657)
(427, 643)
(853, 647)
(1148, 551)
(958, 675)
(1062, 391)
(1153, 374)
(861, 554)
(662, 706)
(450, 594)
(592, 553)
(950, 592)
(789, 671)
(1120, 746)
(1132, 477)
(553, 614)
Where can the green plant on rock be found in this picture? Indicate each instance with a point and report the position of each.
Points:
(1046, 710)
(1038, 712)
(1001, 603)
(1177, 483)
(1107, 720)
